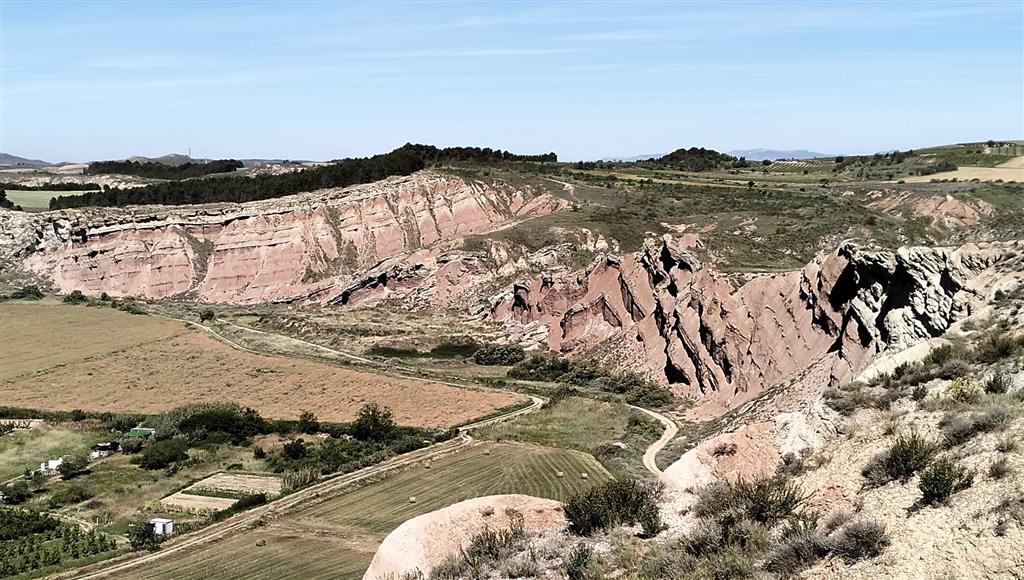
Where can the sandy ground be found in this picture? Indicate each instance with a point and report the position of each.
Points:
(425, 541)
(191, 367)
(1012, 170)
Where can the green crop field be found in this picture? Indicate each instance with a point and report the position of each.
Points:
(338, 537)
(36, 199)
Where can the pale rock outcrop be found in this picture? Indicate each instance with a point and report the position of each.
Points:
(423, 542)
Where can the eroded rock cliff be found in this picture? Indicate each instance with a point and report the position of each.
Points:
(302, 248)
(660, 311)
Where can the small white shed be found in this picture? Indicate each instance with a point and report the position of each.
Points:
(162, 526)
(51, 465)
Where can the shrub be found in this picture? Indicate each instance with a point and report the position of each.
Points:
(650, 520)
(907, 455)
(1007, 444)
(245, 503)
(142, 536)
(540, 368)
(997, 384)
(29, 292)
(859, 539)
(998, 347)
(958, 430)
(999, 468)
(723, 449)
(308, 423)
(580, 563)
(839, 402)
(499, 354)
(610, 504)
(648, 394)
(953, 369)
(942, 479)
(798, 548)
(964, 390)
(766, 501)
(919, 393)
(962, 428)
(75, 297)
(67, 495)
(163, 453)
(15, 493)
(259, 453)
(207, 315)
(944, 353)
(73, 466)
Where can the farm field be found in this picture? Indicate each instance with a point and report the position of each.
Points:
(36, 199)
(585, 425)
(338, 537)
(1012, 170)
(145, 364)
(46, 334)
(221, 491)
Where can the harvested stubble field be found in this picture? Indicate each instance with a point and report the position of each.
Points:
(338, 537)
(61, 357)
(221, 491)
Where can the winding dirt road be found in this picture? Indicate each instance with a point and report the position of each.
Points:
(670, 432)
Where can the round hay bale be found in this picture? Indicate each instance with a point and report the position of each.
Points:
(426, 465)
(261, 542)
(559, 474)
(487, 451)
(412, 499)
(583, 475)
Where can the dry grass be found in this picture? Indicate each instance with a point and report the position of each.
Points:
(41, 335)
(140, 364)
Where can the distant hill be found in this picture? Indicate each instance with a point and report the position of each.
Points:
(8, 160)
(172, 159)
(634, 158)
(773, 154)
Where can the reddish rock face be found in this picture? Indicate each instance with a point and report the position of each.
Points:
(301, 248)
(704, 335)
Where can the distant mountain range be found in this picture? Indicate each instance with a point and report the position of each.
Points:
(176, 159)
(8, 160)
(773, 154)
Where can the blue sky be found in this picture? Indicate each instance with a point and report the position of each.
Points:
(319, 80)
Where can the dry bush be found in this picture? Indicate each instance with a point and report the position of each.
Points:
(942, 479)
(858, 540)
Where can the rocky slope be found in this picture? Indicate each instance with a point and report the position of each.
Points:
(302, 248)
(663, 313)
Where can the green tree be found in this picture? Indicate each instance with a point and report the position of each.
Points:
(373, 423)
(308, 422)
(142, 536)
(73, 466)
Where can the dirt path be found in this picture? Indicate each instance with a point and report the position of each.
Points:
(651, 454)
